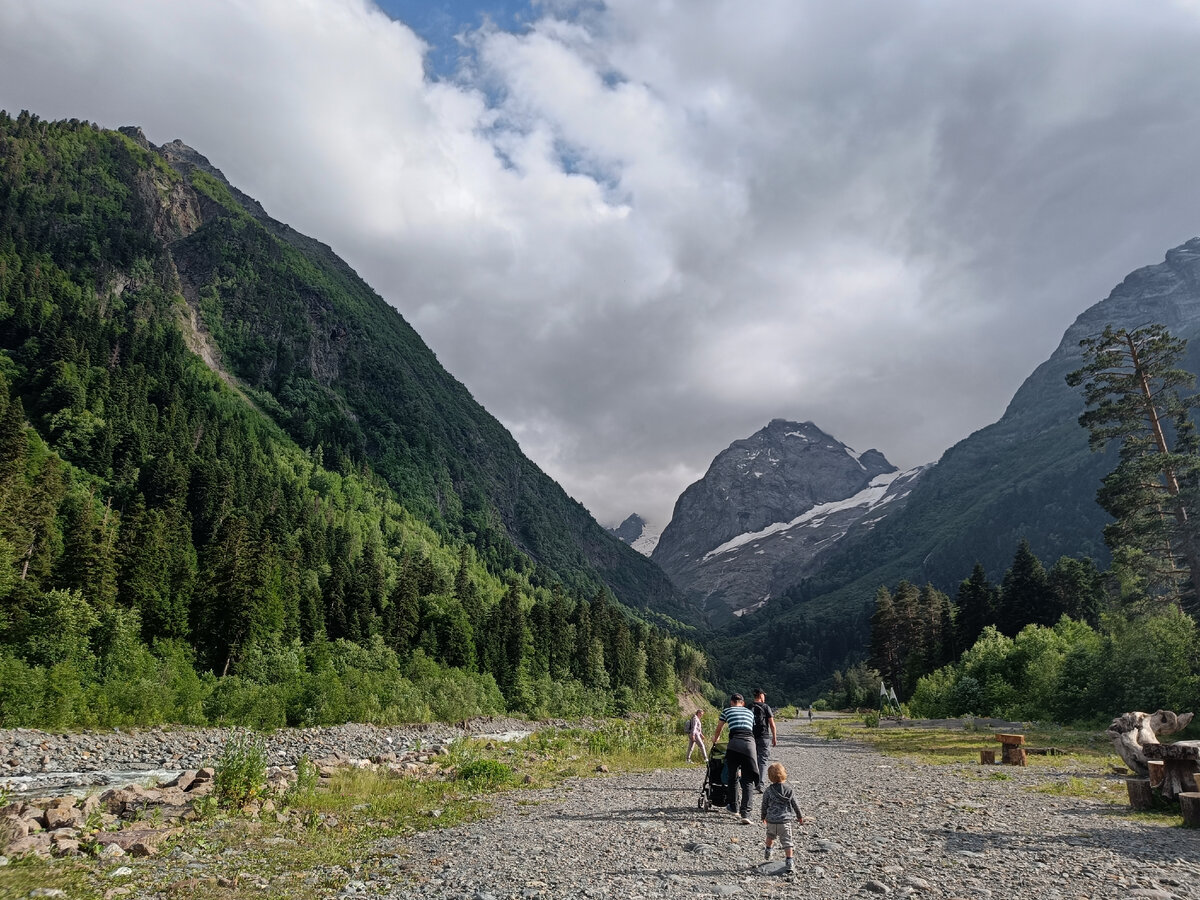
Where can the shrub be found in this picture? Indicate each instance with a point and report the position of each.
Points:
(241, 772)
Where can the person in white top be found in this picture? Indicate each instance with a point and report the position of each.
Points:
(696, 735)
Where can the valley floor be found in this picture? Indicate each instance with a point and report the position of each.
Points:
(877, 826)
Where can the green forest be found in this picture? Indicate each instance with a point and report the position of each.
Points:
(304, 534)
(1072, 643)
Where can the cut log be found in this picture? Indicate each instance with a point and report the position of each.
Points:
(1198, 781)
(1140, 794)
(1189, 805)
(1014, 756)
(987, 757)
(1014, 740)
(1156, 772)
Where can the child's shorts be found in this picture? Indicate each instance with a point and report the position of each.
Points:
(782, 831)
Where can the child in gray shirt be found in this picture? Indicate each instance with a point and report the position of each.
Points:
(779, 810)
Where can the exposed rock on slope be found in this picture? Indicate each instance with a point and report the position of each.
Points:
(768, 509)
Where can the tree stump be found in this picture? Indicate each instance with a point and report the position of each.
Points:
(1014, 756)
(987, 757)
(1140, 794)
(1189, 805)
(1181, 762)
(1157, 773)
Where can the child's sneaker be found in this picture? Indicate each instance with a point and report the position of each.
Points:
(767, 854)
(745, 821)
(788, 867)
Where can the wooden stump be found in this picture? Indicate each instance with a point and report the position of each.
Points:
(987, 757)
(1014, 740)
(1198, 781)
(1140, 794)
(1189, 805)
(1013, 756)
(1157, 772)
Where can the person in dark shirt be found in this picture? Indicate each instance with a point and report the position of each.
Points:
(740, 758)
(764, 729)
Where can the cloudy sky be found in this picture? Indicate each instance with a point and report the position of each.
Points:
(637, 230)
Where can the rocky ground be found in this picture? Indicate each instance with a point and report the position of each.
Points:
(877, 826)
(44, 762)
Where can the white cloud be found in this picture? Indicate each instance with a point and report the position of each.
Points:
(639, 231)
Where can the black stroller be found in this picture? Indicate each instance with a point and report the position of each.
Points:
(714, 792)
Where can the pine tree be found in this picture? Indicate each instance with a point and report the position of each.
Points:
(1133, 388)
(976, 603)
(1024, 597)
(886, 638)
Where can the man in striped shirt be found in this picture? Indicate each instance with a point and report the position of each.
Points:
(740, 759)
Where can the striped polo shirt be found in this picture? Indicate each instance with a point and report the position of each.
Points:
(738, 718)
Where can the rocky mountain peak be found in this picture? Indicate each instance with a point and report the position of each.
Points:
(758, 485)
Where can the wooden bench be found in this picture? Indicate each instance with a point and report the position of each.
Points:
(1181, 763)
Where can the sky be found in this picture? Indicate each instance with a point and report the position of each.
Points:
(638, 230)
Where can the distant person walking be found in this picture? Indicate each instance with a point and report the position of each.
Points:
(696, 735)
(741, 761)
(810, 716)
(764, 728)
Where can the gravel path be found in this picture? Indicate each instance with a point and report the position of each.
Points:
(877, 826)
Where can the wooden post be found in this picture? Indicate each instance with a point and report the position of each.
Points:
(1140, 794)
(987, 757)
(1157, 772)
(1189, 805)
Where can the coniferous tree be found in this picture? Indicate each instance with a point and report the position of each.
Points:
(976, 603)
(1023, 593)
(1134, 390)
(1075, 588)
(886, 638)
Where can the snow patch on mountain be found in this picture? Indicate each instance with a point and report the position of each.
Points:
(648, 539)
(870, 497)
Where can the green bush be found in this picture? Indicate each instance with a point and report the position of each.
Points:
(241, 771)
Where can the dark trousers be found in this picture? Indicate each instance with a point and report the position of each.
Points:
(741, 769)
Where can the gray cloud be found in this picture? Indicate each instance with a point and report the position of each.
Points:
(639, 231)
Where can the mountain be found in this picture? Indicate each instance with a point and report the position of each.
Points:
(1029, 475)
(222, 452)
(769, 510)
(335, 365)
(637, 533)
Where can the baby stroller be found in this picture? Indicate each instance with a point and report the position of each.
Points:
(713, 792)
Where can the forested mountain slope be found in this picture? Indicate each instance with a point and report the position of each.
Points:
(1030, 475)
(217, 441)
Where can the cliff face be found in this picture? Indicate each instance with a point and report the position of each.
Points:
(768, 509)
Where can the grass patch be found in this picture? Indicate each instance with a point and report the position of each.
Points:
(943, 746)
(333, 832)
